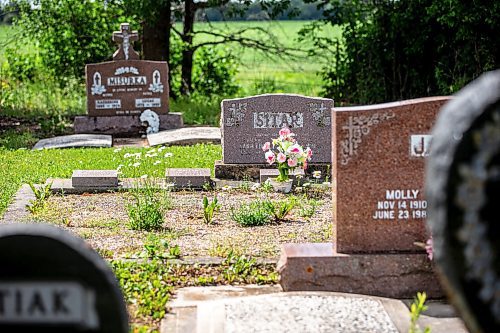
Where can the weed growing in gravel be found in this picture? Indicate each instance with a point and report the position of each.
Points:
(161, 251)
(209, 209)
(146, 210)
(237, 266)
(308, 207)
(282, 208)
(42, 193)
(258, 212)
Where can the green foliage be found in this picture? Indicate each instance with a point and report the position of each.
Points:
(308, 207)
(145, 286)
(214, 72)
(417, 307)
(147, 208)
(393, 50)
(42, 193)
(255, 213)
(282, 208)
(71, 33)
(238, 266)
(161, 250)
(209, 209)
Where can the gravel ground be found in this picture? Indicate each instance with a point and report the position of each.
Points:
(307, 314)
(102, 220)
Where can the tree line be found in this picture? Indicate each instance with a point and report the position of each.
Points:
(389, 50)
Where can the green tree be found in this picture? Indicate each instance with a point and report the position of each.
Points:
(392, 50)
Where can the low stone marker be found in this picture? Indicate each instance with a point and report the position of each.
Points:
(51, 281)
(75, 141)
(185, 136)
(379, 212)
(463, 187)
(247, 123)
(127, 94)
(188, 177)
(94, 178)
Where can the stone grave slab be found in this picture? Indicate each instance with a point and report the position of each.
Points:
(75, 141)
(378, 175)
(95, 178)
(247, 123)
(188, 177)
(463, 187)
(185, 136)
(265, 174)
(52, 281)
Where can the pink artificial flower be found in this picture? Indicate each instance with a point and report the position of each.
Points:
(270, 158)
(429, 248)
(295, 149)
(281, 158)
(266, 146)
(292, 162)
(284, 132)
(305, 165)
(309, 152)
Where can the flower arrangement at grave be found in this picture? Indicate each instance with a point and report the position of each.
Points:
(287, 153)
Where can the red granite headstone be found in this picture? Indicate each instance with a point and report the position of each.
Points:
(126, 85)
(378, 175)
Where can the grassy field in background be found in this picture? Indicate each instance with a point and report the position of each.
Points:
(258, 72)
(263, 71)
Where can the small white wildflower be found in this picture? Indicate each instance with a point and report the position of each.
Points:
(226, 188)
(161, 148)
(168, 154)
(127, 155)
(157, 162)
(151, 155)
(117, 150)
(144, 176)
(136, 164)
(119, 167)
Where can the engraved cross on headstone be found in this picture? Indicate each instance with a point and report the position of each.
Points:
(124, 38)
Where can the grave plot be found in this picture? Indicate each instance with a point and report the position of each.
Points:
(103, 221)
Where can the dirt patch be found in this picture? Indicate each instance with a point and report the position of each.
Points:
(102, 220)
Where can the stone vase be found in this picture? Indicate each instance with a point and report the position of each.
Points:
(282, 187)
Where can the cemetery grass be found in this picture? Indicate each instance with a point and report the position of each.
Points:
(21, 166)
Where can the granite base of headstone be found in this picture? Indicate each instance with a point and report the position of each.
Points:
(124, 126)
(194, 178)
(252, 171)
(52, 281)
(463, 190)
(379, 213)
(185, 136)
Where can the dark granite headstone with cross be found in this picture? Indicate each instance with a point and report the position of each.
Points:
(463, 191)
(128, 87)
(51, 281)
